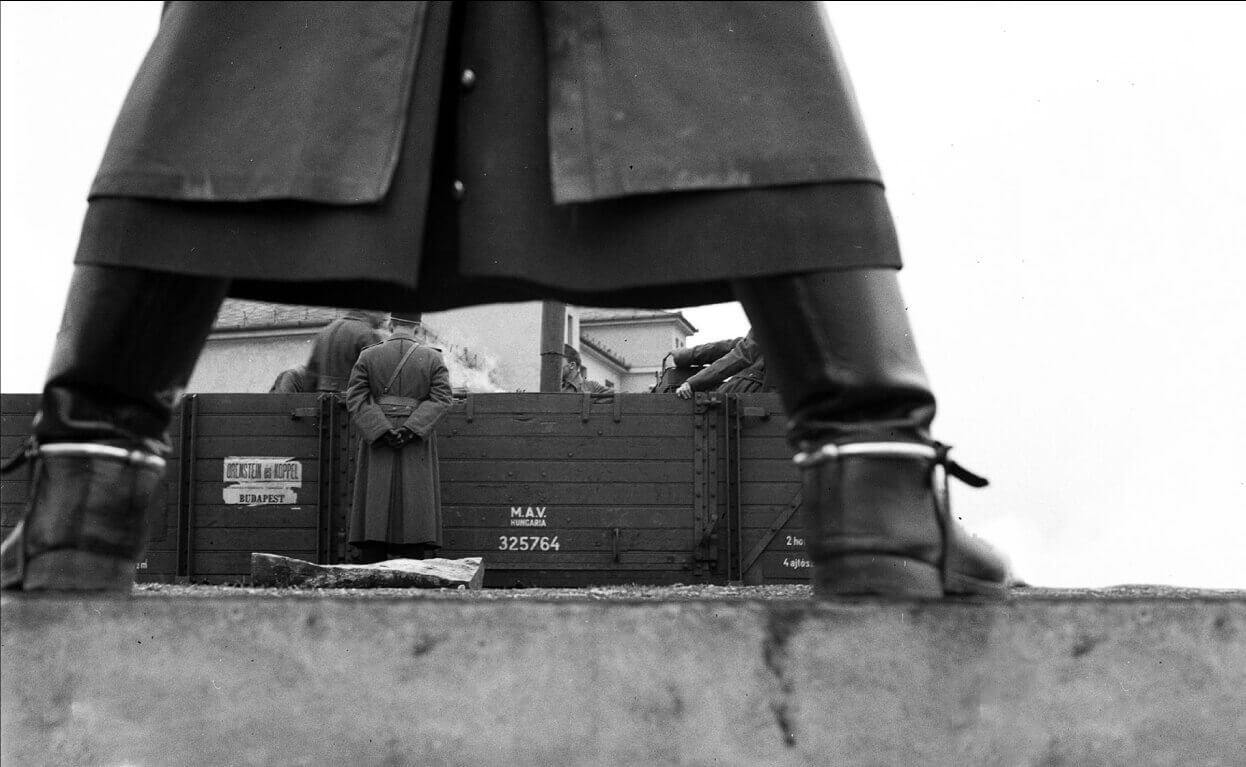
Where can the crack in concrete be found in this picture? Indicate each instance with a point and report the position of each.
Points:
(780, 625)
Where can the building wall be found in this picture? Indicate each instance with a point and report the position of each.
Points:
(571, 329)
(503, 339)
(639, 381)
(249, 361)
(643, 343)
(625, 380)
(601, 369)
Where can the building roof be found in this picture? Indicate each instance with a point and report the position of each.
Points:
(596, 345)
(607, 316)
(237, 314)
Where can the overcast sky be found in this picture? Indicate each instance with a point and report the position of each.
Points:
(1068, 184)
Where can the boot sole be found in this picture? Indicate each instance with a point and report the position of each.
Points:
(70, 570)
(883, 575)
(964, 585)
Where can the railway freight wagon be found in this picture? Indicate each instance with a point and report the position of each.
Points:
(550, 489)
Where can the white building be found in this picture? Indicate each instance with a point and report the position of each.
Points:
(642, 337)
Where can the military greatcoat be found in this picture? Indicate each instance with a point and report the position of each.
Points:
(336, 349)
(426, 155)
(397, 496)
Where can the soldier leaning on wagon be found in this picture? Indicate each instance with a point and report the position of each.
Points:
(702, 354)
(398, 391)
(683, 359)
(431, 155)
(338, 345)
(740, 369)
(589, 385)
(572, 372)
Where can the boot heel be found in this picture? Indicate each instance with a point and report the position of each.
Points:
(966, 586)
(70, 570)
(879, 575)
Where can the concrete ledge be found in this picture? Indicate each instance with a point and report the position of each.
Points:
(266, 681)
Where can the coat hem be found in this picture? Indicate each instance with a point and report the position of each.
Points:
(329, 190)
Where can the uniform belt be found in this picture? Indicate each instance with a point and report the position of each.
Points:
(396, 406)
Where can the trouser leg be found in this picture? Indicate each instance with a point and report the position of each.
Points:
(127, 345)
(860, 410)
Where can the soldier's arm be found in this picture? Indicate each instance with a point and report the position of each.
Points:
(723, 368)
(702, 354)
(366, 414)
(440, 398)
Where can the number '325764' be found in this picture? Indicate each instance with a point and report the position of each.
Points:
(528, 543)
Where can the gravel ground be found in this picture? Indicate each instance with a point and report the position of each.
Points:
(675, 593)
(628, 593)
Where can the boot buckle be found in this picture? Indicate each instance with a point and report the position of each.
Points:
(830, 452)
(92, 450)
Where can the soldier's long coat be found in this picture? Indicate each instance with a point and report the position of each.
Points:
(397, 496)
(336, 349)
(274, 100)
(423, 155)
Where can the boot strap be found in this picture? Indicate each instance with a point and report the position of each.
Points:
(31, 450)
(936, 453)
(92, 450)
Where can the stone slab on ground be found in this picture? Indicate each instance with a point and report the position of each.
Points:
(275, 570)
(418, 679)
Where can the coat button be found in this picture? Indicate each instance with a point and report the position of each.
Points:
(467, 79)
(459, 189)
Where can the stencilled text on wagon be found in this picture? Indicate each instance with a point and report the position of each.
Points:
(528, 516)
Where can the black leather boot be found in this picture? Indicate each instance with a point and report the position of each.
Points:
(86, 521)
(874, 482)
(127, 345)
(878, 522)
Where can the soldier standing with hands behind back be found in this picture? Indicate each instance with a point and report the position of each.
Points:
(398, 391)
